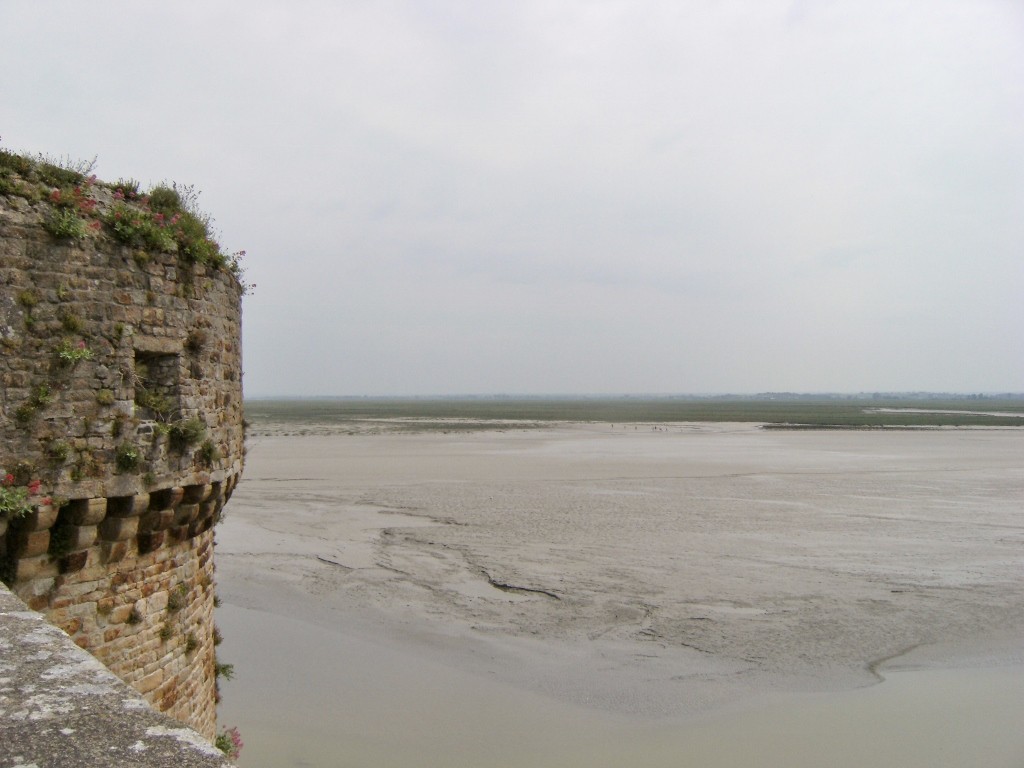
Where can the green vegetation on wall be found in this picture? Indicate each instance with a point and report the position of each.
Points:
(166, 219)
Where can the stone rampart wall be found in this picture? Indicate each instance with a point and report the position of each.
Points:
(121, 368)
(121, 412)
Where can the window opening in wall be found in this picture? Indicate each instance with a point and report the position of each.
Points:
(156, 385)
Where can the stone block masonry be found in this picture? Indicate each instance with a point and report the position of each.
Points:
(121, 420)
(134, 587)
(61, 707)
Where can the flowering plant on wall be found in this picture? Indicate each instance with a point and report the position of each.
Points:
(14, 499)
(229, 741)
(168, 218)
(69, 352)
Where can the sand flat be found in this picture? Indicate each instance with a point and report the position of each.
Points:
(617, 579)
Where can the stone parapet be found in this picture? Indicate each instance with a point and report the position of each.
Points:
(60, 706)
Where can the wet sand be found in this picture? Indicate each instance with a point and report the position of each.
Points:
(599, 595)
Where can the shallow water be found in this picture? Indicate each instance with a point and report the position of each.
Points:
(694, 596)
(307, 696)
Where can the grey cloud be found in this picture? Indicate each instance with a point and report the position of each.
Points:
(535, 197)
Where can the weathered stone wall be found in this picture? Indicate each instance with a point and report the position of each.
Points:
(139, 596)
(150, 328)
(120, 392)
(61, 707)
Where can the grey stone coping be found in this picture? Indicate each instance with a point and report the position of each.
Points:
(61, 708)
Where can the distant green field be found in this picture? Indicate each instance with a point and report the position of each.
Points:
(787, 411)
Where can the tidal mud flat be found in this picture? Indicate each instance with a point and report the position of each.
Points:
(584, 593)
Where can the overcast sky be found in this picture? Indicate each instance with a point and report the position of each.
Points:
(632, 196)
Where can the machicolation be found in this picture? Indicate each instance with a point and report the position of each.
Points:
(121, 429)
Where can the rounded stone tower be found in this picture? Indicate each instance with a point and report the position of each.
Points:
(121, 430)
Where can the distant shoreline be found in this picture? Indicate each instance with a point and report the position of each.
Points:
(795, 412)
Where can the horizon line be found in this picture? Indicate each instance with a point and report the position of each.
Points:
(622, 395)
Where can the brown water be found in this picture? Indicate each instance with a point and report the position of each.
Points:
(306, 696)
(712, 596)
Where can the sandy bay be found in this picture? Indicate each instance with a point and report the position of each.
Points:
(596, 594)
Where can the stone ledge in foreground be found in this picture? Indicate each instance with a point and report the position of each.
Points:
(61, 707)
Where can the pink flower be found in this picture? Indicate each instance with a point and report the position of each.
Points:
(81, 344)
(229, 741)
(46, 500)
(33, 487)
(118, 194)
(9, 479)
